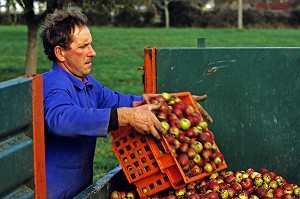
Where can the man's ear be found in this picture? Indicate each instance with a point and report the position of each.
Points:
(59, 53)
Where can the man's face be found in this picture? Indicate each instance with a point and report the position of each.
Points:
(78, 59)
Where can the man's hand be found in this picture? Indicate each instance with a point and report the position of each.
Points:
(203, 112)
(141, 119)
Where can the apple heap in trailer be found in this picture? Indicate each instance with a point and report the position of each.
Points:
(189, 139)
(239, 184)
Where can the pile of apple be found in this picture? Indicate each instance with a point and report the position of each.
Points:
(249, 184)
(240, 184)
(190, 140)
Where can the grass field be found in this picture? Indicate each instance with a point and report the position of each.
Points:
(120, 52)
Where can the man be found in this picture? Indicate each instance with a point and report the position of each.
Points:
(78, 109)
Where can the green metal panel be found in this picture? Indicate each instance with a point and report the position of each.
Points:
(16, 161)
(22, 192)
(253, 97)
(16, 145)
(15, 104)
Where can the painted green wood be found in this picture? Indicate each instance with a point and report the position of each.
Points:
(16, 145)
(22, 192)
(15, 105)
(253, 97)
(16, 161)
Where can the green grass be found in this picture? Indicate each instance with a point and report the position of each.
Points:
(120, 52)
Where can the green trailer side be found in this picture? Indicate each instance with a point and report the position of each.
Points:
(253, 97)
(21, 171)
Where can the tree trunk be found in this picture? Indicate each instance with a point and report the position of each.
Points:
(240, 14)
(167, 14)
(32, 49)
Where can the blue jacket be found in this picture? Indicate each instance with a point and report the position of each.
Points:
(75, 115)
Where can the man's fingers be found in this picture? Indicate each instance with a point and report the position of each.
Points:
(152, 107)
(154, 132)
(199, 98)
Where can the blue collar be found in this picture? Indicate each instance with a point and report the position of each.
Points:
(74, 80)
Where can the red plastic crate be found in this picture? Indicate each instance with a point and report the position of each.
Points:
(148, 163)
(138, 163)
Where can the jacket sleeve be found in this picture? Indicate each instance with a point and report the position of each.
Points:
(63, 117)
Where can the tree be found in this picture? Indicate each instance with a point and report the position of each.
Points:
(164, 4)
(33, 22)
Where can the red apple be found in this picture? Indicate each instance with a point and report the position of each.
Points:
(212, 195)
(178, 112)
(214, 186)
(183, 159)
(261, 192)
(236, 186)
(246, 183)
(278, 193)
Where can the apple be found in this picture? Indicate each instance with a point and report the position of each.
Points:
(231, 192)
(243, 194)
(184, 147)
(208, 168)
(246, 183)
(175, 123)
(179, 105)
(237, 187)
(261, 192)
(273, 184)
(258, 181)
(270, 193)
(174, 131)
(165, 125)
(197, 158)
(123, 194)
(166, 96)
(170, 197)
(214, 186)
(189, 110)
(190, 133)
(263, 171)
(197, 146)
(115, 195)
(180, 192)
(191, 152)
(287, 188)
(253, 197)
(278, 193)
(183, 159)
(272, 175)
(250, 170)
(229, 179)
(203, 125)
(206, 154)
(178, 112)
(184, 124)
(297, 191)
(162, 115)
(177, 144)
(212, 195)
(194, 196)
(266, 177)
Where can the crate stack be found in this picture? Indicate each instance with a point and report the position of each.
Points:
(152, 165)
